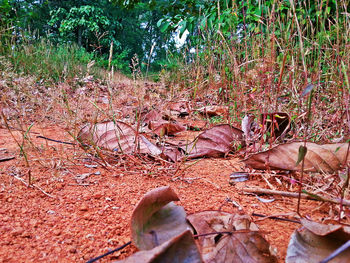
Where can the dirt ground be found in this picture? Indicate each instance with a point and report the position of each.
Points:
(78, 209)
(68, 220)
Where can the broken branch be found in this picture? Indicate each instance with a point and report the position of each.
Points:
(295, 195)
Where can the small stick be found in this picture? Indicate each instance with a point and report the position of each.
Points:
(53, 140)
(275, 218)
(7, 159)
(294, 195)
(16, 129)
(79, 184)
(33, 185)
(109, 252)
(268, 183)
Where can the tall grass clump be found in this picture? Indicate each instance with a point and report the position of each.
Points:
(260, 58)
(47, 61)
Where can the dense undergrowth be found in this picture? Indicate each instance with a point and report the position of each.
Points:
(266, 68)
(252, 70)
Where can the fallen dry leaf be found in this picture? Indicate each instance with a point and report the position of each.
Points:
(327, 157)
(152, 115)
(245, 244)
(166, 127)
(171, 153)
(214, 142)
(118, 137)
(180, 108)
(156, 219)
(249, 127)
(5, 155)
(181, 249)
(214, 110)
(314, 242)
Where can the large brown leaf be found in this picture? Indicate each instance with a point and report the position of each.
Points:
(181, 249)
(326, 157)
(156, 219)
(180, 108)
(166, 127)
(214, 110)
(152, 115)
(245, 244)
(116, 136)
(215, 142)
(314, 241)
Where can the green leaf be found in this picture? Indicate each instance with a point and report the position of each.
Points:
(301, 154)
(203, 23)
(183, 27)
(164, 26)
(160, 21)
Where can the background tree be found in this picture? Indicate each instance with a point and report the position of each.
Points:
(93, 25)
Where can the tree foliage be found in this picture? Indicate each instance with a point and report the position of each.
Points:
(87, 25)
(93, 25)
(147, 27)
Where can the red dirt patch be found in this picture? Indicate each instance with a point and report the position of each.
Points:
(85, 218)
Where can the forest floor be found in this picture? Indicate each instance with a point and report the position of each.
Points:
(78, 208)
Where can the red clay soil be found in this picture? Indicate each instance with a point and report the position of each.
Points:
(72, 219)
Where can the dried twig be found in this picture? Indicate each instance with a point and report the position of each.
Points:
(295, 195)
(7, 159)
(33, 185)
(53, 140)
(274, 217)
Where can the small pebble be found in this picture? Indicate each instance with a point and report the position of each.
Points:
(26, 234)
(72, 250)
(97, 196)
(83, 207)
(90, 236)
(56, 232)
(90, 165)
(17, 231)
(33, 222)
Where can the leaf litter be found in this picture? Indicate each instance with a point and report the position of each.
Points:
(120, 137)
(214, 142)
(234, 238)
(134, 142)
(160, 230)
